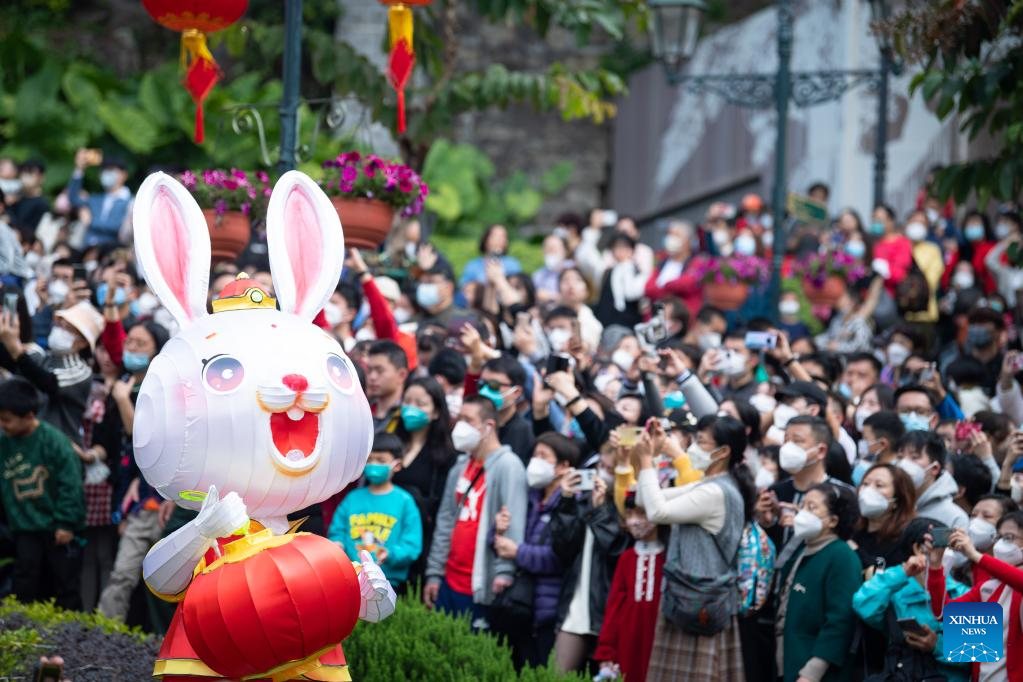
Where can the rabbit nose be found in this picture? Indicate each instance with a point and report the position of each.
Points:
(296, 382)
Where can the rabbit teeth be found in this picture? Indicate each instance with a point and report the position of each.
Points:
(296, 413)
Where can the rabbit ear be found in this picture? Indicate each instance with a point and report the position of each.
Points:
(306, 245)
(172, 246)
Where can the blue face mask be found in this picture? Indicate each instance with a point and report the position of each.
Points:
(413, 418)
(974, 233)
(674, 400)
(856, 249)
(120, 296)
(845, 391)
(376, 473)
(134, 362)
(915, 422)
(493, 395)
(877, 227)
(859, 471)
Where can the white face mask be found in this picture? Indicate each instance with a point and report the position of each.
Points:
(698, 457)
(764, 479)
(863, 450)
(58, 291)
(559, 339)
(454, 402)
(792, 458)
(332, 312)
(982, 534)
(897, 354)
(148, 303)
(916, 231)
(539, 473)
(914, 470)
(672, 243)
(552, 261)
(745, 245)
(1002, 230)
(709, 340)
(465, 437)
(783, 414)
(410, 250)
(873, 503)
(963, 279)
(1009, 552)
(807, 525)
(623, 358)
(932, 215)
(735, 364)
(428, 294)
(61, 341)
(1016, 491)
(952, 559)
(720, 237)
(763, 403)
(401, 315)
(789, 307)
(860, 416)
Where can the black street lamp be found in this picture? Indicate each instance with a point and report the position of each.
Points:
(674, 27)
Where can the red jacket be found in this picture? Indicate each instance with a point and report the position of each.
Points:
(897, 251)
(983, 277)
(685, 286)
(1005, 577)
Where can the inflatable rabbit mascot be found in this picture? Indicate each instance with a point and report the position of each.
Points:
(251, 413)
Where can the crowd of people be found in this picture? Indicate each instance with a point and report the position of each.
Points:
(588, 460)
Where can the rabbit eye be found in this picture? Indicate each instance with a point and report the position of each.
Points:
(340, 373)
(223, 374)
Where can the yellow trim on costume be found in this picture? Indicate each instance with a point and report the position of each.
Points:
(329, 674)
(183, 666)
(249, 546)
(253, 297)
(292, 669)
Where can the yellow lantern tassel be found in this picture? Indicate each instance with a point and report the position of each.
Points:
(193, 46)
(399, 21)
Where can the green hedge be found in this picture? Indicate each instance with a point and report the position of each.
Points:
(413, 644)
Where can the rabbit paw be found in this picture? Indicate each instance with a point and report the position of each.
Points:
(220, 518)
(378, 597)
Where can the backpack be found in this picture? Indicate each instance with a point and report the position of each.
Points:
(755, 568)
(913, 294)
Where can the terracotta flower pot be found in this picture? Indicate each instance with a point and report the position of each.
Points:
(366, 222)
(828, 294)
(229, 233)
(724, 295)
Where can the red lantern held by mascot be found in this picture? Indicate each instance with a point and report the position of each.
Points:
(247, 415)
(194, 19)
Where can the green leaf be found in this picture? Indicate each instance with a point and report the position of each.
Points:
(445, 202)
(1006, 182)
(129, 125)
(557, 177)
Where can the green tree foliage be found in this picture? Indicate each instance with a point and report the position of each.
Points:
(971, 60)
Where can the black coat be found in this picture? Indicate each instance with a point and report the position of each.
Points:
(569, 522)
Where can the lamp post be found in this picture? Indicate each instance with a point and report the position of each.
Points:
(674, 27)
(292, 78)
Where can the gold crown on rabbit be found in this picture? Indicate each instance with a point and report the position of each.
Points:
(243, 294)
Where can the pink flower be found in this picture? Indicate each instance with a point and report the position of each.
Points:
(230, 184)
(188, 179)
(262, 176)
(349, 174)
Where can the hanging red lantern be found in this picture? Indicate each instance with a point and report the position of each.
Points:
(271, 606)
(402, 58)
(194, 19)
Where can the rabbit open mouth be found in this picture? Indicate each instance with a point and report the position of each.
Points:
(296, 433)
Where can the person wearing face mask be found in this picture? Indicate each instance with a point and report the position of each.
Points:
(804, 457)
(31, 205)
(707, 329)
(985, 342)
(555, 259)
(892, 252)
(425, 431)
(61, 374)
(887, 503)
(1004, 588)
(381, 518)
(627, 635)
(674, 276)
(435, 293)
(382, 295)
(789, 308)
(1007, 278)
(110, 210)
(850, 329)
(737, 364)
(554, 458)
(463, 574)
(929, 261)
(976, 243)
(502, 380)
(493, 244)
(878, 436)
(903, 589)
(922, 456)
(621, 286)
(984, 518)
(815, 622)
(708, 519)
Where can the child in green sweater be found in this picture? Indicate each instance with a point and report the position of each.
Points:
(42, 496)
(381, 518)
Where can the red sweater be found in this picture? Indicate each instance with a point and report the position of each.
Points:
(1010, 578)
(630, 617)
(897, 251)
(685, 286)
(112, 339)
(983, 276)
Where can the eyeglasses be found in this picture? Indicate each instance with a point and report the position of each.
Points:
(492, 384)
(1011, 537)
